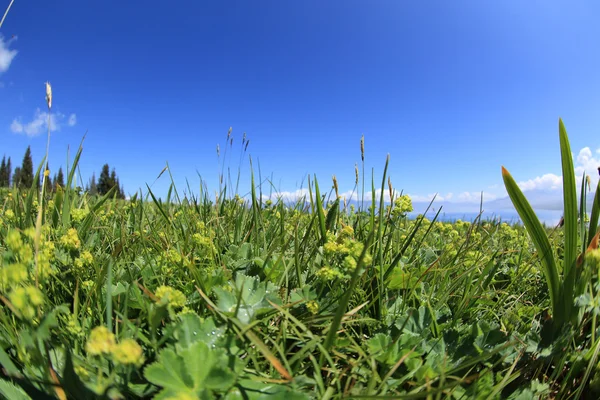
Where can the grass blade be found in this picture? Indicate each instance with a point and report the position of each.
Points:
(540, 240)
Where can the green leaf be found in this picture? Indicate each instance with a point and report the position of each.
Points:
(192, 329)
(195, 369)
(168, 372)
(594, 216)
(10, 391)
(249, 298)
(570, 216)
(540, 241)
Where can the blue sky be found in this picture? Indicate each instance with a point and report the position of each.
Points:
(451, 90)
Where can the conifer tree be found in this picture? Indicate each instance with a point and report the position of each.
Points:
(93, 188)
(60, 179)
(26, 177)
(17, 177)
(104, 181)
(3, 173)
(8, 172)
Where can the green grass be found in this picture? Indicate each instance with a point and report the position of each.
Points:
(240, 298)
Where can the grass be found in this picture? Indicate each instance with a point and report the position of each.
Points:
(240, 297)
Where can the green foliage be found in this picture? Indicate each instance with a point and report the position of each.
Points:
(248, 298)
(563, 274)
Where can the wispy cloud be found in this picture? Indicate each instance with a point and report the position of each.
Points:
(7, 55)
(40, 122)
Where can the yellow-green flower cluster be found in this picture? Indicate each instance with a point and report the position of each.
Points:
(103, 342)
(128, 352)
(593, 259)
(402, 206)
(25, 300)
(9, 215)
(173, 297)
(342, 254)
(85, 259)
(79, 214)
(21, 251)
(312, 306)
(70, 240)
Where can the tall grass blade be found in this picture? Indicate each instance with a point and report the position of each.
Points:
(570, 215)
(540, 241)
(594, 215)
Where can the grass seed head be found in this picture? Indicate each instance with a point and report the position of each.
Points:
(335, 185)
(362, 148)
(49, 95)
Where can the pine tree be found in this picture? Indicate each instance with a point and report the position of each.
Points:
(104, 181)
(27, 170)
(93, 190)
(8, 172)
(60, 179)
(17, 177)
(3, 173)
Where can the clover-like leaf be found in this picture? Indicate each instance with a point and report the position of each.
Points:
(249, 298)
(195, 370)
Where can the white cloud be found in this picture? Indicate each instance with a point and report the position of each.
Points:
(39, 124)
(288, 196)
(544, 182)
(6, 54)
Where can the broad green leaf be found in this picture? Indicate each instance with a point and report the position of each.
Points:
(191, 329)
(10, 391)
(249, 298)
(168, 372)
(570, 216)
(539, 239)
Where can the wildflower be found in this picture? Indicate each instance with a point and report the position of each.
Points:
(78, 215)
(85, 259)
(25, 299)
(13, 274)
(9, 215)
(402, 206)
(71, 240)
(101, 341)
(173, 297)
(128, 352)
(328, 274)
(312, 306)
(593, 258)
(47, 173)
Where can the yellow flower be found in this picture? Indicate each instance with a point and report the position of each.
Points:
(47, 173)
(170, 296)
(25, 299)
(101, 341)
(128, 352)
(85, 259)
(71, 240)
(312, 306)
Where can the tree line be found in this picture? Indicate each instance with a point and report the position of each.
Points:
(23, 176)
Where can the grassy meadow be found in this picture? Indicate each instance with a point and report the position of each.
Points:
(239, 297)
